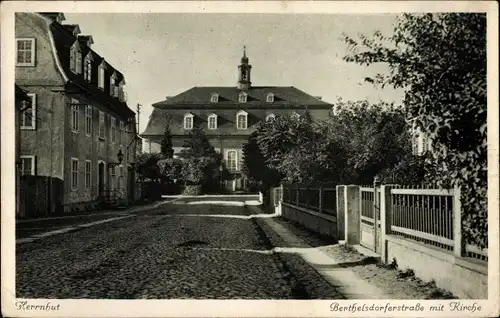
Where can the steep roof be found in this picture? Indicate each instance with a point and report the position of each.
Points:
(284, 96)
(64, 39)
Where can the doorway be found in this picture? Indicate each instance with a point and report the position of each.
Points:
(100, 178)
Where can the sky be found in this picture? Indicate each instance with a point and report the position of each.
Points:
(164, 54)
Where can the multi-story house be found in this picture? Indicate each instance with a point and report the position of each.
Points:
(228, 115)
(79, 135)
(22, 104)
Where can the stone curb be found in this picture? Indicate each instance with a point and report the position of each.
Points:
(337, 279)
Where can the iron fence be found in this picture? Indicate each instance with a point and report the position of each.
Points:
(316, 197)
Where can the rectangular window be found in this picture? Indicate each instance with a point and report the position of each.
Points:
(113, 177)
(212, 122)
(28, 117)
(242, 121)
(88, 120)
(120, 177)
(122, 133)
(102, 127)
(113, 129)
(112, 86)
(88, 70)
(232, 160)
(78, 62)
(74, 173)
(25, 52)
(101, 78)
(88, 174)
(188, 122)
(27, 165)
(74, 114)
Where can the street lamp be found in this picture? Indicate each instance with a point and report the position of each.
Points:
(220, 176)
(119, 155)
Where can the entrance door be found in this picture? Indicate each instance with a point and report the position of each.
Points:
(100, 178)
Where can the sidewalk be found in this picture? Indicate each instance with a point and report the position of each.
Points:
(131, 209)
(333, 270)
(34, 229)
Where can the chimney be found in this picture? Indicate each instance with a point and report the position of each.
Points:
(319, 97)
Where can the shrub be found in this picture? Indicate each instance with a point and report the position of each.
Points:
(192, 190)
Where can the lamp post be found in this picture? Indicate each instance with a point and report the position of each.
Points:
(220, 176)
(119, 156)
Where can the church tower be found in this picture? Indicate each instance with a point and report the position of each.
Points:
(244, 72)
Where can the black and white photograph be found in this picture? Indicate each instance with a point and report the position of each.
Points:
(205, 151)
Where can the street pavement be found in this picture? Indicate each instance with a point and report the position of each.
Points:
(177, 250)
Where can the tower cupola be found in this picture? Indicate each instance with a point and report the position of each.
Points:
(244, 70)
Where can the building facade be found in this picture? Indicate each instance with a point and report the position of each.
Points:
(228, 115)
(79, 120)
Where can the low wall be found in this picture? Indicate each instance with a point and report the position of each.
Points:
(324, 224)
(448, 271)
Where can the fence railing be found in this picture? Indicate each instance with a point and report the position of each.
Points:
(320, 197)
(429, 216)
(424, 215)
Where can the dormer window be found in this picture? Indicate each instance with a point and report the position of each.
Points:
(242, 120)
(112, 85)
(270, 117)
(242, 98)
(76, 59)
(188, 121)
(212, 121)
(102, 72)
(121, 93)
(270, 98)
(87, 68)
(214, 98)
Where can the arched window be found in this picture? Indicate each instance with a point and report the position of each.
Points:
(270, 98)
(214, 98)
(242, 98)
(270, 117)
(188, 121)
(212, 121)
(241, 119)
(232, 160)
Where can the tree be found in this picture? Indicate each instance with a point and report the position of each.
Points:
(166, 144)
(372, 137)
(201, 163)
(197, 145)
(147, 166)
(440, 61)
(278, 137)
(255, 168)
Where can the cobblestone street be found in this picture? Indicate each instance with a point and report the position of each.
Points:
(162, 253)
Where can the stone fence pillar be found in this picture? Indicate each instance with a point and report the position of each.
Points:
(352, 214)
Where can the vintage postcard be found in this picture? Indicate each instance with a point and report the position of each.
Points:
(250, 159)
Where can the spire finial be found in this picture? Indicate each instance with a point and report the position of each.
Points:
(244, 51)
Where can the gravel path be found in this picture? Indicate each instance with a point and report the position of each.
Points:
(160, 253)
